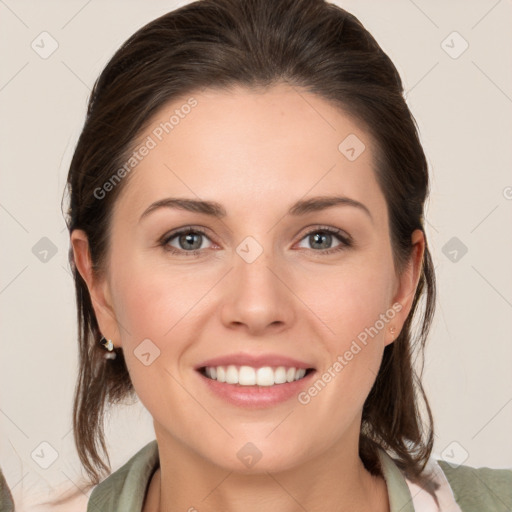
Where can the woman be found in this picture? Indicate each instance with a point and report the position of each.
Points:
(246, 223)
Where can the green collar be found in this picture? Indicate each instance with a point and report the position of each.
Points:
(125, 489)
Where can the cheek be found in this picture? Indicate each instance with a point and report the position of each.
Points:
(153, 309)
(354, 307)
(151, 301)
(350, 299)
(157, 309)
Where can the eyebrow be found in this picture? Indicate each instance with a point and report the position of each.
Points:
(214, 209)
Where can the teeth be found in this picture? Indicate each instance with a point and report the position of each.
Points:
(265, 376)
(249, 376)
(221, 374)
(246, 376)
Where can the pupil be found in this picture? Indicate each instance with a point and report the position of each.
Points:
(188, 238)
(318, 238)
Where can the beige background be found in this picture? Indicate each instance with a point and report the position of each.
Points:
(463, 107)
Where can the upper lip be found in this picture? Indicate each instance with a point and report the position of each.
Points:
(256, 361)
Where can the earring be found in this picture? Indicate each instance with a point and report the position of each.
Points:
(109, 346)
(392, 330)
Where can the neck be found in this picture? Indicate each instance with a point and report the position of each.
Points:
(334, 481)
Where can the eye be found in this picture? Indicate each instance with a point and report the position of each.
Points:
(188, 240)
(322, 238)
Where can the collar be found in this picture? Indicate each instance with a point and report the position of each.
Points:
(125, 489)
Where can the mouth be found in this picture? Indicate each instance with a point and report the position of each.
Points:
(256, 381)
(264, 376)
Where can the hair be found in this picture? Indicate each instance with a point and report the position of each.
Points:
(309, 44)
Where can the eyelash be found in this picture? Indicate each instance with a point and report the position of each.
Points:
(346, 241)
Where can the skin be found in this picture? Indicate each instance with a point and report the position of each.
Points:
(256, 152)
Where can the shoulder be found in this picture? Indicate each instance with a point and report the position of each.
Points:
(6, 503)
(125, 488)
(479, 488)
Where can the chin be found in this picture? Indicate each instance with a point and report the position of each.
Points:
(259, 457)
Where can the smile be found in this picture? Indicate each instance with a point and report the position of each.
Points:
(251, 376)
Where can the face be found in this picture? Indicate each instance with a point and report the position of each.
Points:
(269, 284)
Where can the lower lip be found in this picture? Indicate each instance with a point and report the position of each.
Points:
(257, 396)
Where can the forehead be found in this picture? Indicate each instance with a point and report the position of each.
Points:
(248, 148)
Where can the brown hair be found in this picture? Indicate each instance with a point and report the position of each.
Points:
(310, 44)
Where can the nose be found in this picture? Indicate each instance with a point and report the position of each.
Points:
(258, 298)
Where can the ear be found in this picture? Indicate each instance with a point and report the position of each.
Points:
(406, 285)
(99, 289)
